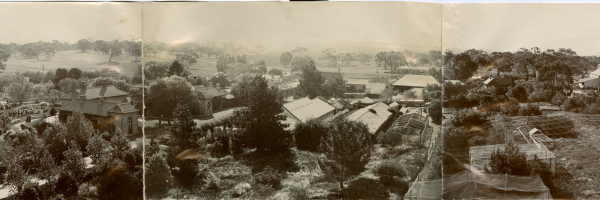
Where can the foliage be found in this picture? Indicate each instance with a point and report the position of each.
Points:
(269, 176)
(365, 188)
(391, 174)
(518, 92)
(275, 71)
(435, 111)
(466, 117)
(348, 145)
(530, 110)
(334, 87)
(66, 185)
(455, 138)
(307, 135)
(163, 96)
(175, 69)
(285, 58)
(20, 91)
(393, 136)
(559, 99)
(261, 120)
(74, 165)
(508, 161)
(312, 83)
(53, 111)
(117, 182)
(78, 129)
(158, 174)
(510, 108)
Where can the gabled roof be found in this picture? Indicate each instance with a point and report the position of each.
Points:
(94, 107)
(293, 77)
(341, 104)
(373, 120)
(500, 81)
(586, 79)
(366, 100)
(270, 76)
(357, 81)
(416, 81)
(375, 88)
(96, 92)
(596, 73)
(306, 108)
(209, 92)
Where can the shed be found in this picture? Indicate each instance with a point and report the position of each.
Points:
(480, 155)
(591, 82)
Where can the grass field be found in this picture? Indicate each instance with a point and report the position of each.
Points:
(74, 59)
(205, 67)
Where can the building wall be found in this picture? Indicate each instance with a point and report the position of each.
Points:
(594, 83)
(205, 107)
(121, 121)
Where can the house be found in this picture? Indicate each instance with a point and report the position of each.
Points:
(356, 85)
(591, 82)
(340, 105)
(272, 80)
(375, 89)
(210, 98)
(291, 78)
(595, 74)
(305, 108)
(287, 89)
(105, 114)
(109, 92)
(409, 81)
(501, 84)
(376, 117)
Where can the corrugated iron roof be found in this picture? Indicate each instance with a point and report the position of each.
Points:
(416, 81)
(375, 88)
(306, 108)
(96, 92)
(357, 81)
(94, 107)
(209, 92)
(373, 120)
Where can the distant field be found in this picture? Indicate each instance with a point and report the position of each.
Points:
(74, 59)
(206, 66)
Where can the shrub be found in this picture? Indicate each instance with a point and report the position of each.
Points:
(467, 117)
(308, 134)
(269, 176)
(66, 185)
(390, 138)
(53, 111)
(518, 92)
(158, 174)
(435, 111)
(455, 138)
(365, 188)
(390, 173)
(510, 108)
(508, 161)
(558, 99)
(530, 110)
(593, 108)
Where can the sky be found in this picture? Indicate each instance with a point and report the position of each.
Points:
(69, 22)
(508, 27)
(294, 23)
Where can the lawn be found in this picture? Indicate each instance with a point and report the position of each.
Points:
(74, 59)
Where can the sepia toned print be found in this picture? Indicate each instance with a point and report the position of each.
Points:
(520, 100)
(292, 100)
(71, 101)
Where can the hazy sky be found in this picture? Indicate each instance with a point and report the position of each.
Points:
(294, 23)
(70, 22)
(508, 27)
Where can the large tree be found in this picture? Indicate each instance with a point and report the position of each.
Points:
(261, 119)
(20, 91)
(312, 83)
(163, 96)
(285, 58)
(115, 48)
(84, 45)
(348, 145)
(176, 68)
(334, 87)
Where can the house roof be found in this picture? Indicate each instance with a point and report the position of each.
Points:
(394, 104)
(416, 81)
(366, 100)
(455, 82)
(341, 104)
(373, 120)
(586, 79)
(96, 92)
(500, 81)
(306, 108)
(375, 88)
(293, 77)
(357, 81)
(266, 76)
(597, 72)
(94, 107)
(209, 92)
